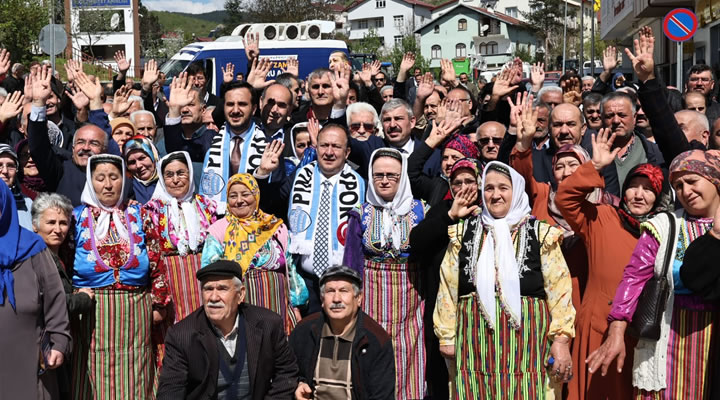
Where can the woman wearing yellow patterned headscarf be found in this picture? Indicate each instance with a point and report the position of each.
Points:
(259, 242)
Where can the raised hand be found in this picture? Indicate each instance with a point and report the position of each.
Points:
(228, 72)
(4, 61)
(426, 86)
(181, 94)
(464, 203)
(41, 90)
(92, 89)
(502, 86)
(612, 348)
(12, 107)
(122, 63)
(527, 123)
(447, 74)
(515, 110)
(78, 97)
(71, 66)
(293, 66)
(572, 92)
(341, 86)
(28, 89)
(440, 131)
(375, 67)
(270, 160)
(258, 74)
(642, 61)
(609, 58)
(251, 43)
(121, 101)
(603, 153)
(150, 75)
(313, 130)
(407, 62)
(537, 76)
(366, 75)
(454, 109)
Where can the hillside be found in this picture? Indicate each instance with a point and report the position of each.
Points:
(213, 16)
(199, 24)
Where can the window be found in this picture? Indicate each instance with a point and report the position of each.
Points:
(482, 48)
(460, 50)
(462, 24)
(436, 29)
(398, 40)
(436, 52)
(492, 48)
(379, 3)
(398, 20)
(379, 22)
(494, 27)
(363, 24)
(511, 11)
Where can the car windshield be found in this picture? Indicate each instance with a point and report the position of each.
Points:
(172, 68)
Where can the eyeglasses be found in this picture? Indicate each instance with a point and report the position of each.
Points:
(182, 174)
(380, 176)
(379, 79)
(8, 167)
(356, 126)
(485, 141)
(698, 109)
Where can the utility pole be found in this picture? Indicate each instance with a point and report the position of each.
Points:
(582, 36)
(564, 38)
(592, 41)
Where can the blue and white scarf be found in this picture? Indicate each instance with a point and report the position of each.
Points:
(216, 167)
(348, 193)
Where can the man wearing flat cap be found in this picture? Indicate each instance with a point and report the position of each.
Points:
(227, 349)
(342, 352)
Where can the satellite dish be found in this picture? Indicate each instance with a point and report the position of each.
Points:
(114, 21)
(484, 28)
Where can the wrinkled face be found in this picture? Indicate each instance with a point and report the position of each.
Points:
(386, 177)
(701, 82)
(362, 125)
(332, 149)
(336, 61)
(497, 194)
(715, 138)
(241, 201)
(302, 141)
(140, 165)
(339, 300)
(695, 102)
(587, 85)
(53, 226)
(387, 95)
(463, 178)
(145, 125)
(122, 134)
(639, 196)
(397, 126)
(449, 158)
(691, 127)
(592, 116)
(239, 109)
(321, 93)
(564, 167)
(698, 195)
(618, 116)
(107, 182)
(566, 125)
(464, 98)
(27, 163)
(198, 80)
(541, 126)
(88, 141)
(490, 136)
(193, 112)
(552, 98)
(379, 80)
(431, 106)
(8, 169)
(276, 107)
(221, 299)
(177, 179)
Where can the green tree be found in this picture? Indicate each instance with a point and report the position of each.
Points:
(546, 19)
(277, 11)
(151, 32)
(20, 25)
(236, 15)
(523, 53)
(369, 44)
(409, 44)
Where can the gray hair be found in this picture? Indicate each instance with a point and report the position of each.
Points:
(237, 282)
(395, 103)
(615, 96)
(16, 67)
(361, 107)
(356, 289)
(698, 117)
(138, 99)
(384, 88)
(588, 78)
(134, 114)
(45, 201)
(318, 73)
(3, 92)
(546, 89)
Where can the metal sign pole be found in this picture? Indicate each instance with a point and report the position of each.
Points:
(52, 39)
(679, 69)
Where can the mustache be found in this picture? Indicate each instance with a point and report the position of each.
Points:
(85, 153)
(216, 304)
(337, 306)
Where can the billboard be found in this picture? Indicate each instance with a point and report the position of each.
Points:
(101, 3)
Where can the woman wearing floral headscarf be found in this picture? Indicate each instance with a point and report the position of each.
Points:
(504, 304)
(141, 158)
(609, 234)
(378, 243)
(678, 365)
(259, 242)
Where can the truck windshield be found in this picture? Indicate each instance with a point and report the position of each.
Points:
(172, 68)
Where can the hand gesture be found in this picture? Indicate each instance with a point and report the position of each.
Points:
(572, 93)
(71, 67)
(642, 61)
(78, 97)
(537, 76)
(251, 43)
(92, 89)
(4, 62)
(515, 109)
(366, 74)
(407, 62)
(502, 86)
(527, 123)
(228, 72)
(426, 86)
(12, 107)
(464, 203)
(28, 89)
(122, 63)
(121, 102)
(454, 109)
(440, 131)
(375, 67)
(150, 75)
(41, 90)
(293, 66)
(258, 74)
(181, 94)
(270, 160)
(609, 58)
(612, 348)
(341, 85)
(447, 74)
(313, 130)
(603, 153)
(562, 367)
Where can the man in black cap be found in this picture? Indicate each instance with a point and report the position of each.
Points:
(342, 352)
(227, 349)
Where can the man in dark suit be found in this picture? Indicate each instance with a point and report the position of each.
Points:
(227, 349)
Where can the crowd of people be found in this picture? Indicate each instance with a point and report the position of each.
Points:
(349, 235)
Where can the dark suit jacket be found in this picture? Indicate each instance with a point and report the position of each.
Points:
(190, 367)
(361, 151)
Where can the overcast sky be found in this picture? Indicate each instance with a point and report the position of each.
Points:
(186, 6)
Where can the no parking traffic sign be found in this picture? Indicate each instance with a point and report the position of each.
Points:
(680, 24)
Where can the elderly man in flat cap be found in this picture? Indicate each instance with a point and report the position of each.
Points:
(342, 352)
(227, 349)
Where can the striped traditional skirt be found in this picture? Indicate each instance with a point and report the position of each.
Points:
(691, 351)
(269, 289)
(504, 363)
(184, 286)
(392, 298)
(112, 351)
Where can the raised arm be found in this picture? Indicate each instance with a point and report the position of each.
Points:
(48, 163)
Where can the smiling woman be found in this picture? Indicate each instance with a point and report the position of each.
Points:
(141, 155)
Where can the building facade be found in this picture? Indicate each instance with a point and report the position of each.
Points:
(390, 19)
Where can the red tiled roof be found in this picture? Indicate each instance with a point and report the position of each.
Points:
(336, 7)
(503, 17)
(444, 4)
(414, 2)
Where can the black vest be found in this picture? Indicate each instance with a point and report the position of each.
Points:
(233, 375)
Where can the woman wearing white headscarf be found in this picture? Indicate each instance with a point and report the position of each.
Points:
(505, 297)
(183, 219)
(118, 256)
(378, 245)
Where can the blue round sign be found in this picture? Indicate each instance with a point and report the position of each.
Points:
(680, 24)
